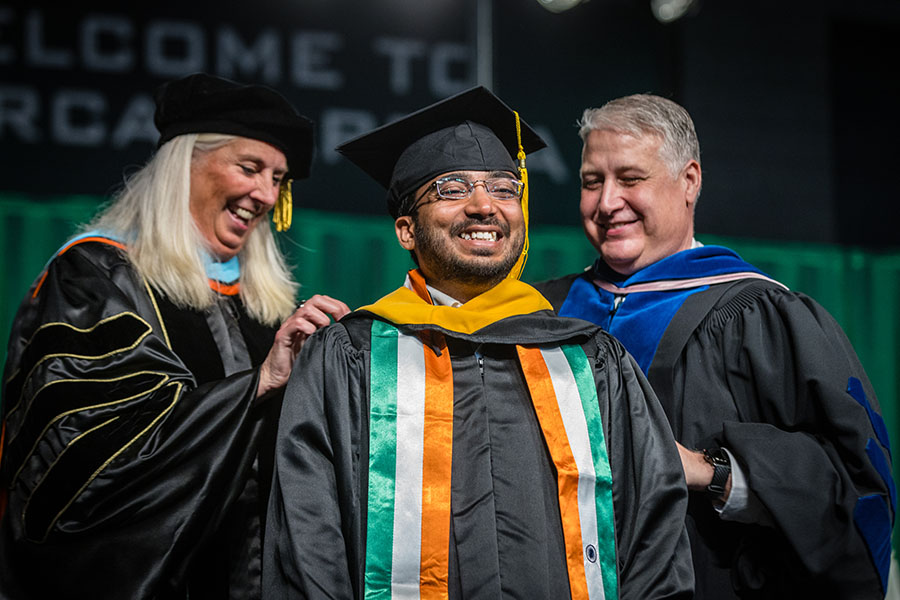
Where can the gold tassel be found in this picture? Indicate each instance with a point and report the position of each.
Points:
(281, 214)
(519, 267)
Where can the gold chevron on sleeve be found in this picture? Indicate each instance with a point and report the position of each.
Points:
(64, 397)
(86, 456)
(76, 404)
(108, 337)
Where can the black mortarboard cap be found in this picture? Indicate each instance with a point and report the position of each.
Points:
(202, 103)
(471, 131)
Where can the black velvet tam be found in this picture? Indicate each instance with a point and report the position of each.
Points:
(471, 131)
(202, 103)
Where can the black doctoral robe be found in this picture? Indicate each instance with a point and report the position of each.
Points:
(768, 374)
(136, 461)
(505, 532)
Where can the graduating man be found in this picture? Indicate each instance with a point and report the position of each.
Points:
(792, 490)
(456, 439)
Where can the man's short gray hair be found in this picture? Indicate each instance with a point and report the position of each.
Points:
(642, 114)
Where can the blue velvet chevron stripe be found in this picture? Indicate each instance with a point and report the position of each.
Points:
(873, 519)
(642, 318)
(855, 389)
(871, 514)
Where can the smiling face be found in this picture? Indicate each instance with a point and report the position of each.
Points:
(232, 189)
(464, 247)
(634, 211)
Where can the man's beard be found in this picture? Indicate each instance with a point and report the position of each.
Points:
(469, 270)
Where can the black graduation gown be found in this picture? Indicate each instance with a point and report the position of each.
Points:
(767, 373)
(506, 533)
(134, 461)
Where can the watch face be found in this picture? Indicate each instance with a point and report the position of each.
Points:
(717, 456)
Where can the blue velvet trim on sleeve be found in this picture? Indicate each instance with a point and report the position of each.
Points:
(872, 516)
(855, 389)
(876, 457)
(874, 523)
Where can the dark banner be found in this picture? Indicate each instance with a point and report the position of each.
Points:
(76, 101)
(783, 106)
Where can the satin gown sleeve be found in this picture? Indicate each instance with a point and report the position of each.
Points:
(773, 378)
(117, 463)
(314, 543)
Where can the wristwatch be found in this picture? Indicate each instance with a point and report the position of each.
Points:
(721, 465)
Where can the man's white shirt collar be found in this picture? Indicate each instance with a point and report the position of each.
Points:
(441, 299)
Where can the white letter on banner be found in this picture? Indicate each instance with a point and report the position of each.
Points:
(136, 124)
(95, 59)
(19, 111)
(440, 78)
(71, 106)
(235, 59)
(36, 53)
(161, 34)
(311, 51)
(400, 55)
(340, 125)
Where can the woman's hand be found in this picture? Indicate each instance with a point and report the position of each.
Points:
(311, 315)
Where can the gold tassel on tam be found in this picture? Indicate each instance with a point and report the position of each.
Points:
(281, 214)
(516, 272)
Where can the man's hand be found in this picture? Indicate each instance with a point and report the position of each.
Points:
(698, 473)
(311, 315)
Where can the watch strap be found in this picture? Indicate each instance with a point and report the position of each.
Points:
(721, 464)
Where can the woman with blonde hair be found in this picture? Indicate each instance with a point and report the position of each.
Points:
(145, 366)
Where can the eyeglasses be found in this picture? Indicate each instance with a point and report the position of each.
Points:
(498, 188)
(460, 188)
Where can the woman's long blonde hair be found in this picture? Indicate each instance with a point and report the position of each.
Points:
(152, 215)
